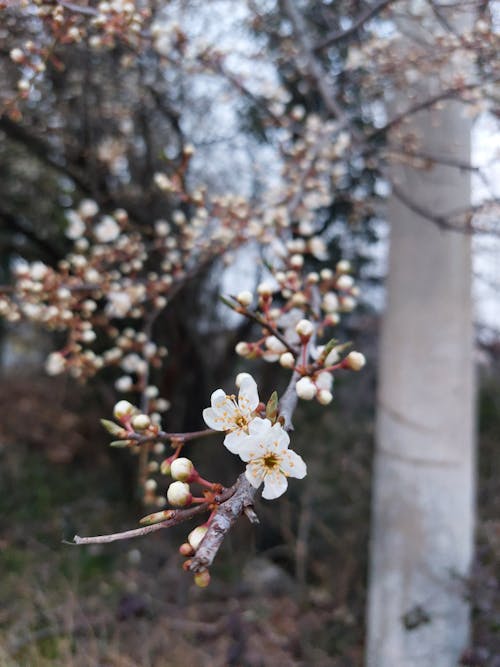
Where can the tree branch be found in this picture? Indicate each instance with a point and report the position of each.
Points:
(339, 35)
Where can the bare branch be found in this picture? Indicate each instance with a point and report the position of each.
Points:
(358, 23)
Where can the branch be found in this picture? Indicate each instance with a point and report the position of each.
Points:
(222, 522)
(314, 66)
(243, 499)
(42, 150)
(175, 517)
(339, 35)
(450, 93)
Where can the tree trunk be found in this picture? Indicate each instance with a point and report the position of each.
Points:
(423, 498)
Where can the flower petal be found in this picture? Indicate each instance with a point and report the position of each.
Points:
(275, 485)
(293, 465)
(254, 475)
(212, 420)
(248, 398)
(280, 435)
(234, 441)
(247, 446)
(259, 426)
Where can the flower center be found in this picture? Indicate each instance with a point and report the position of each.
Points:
(241, 421)
(270, 461)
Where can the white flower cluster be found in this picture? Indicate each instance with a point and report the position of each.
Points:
(258, 442)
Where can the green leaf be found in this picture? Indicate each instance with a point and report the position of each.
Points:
(328, 348)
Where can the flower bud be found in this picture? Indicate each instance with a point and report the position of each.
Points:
(123, 409)
(186, 549)
(141, 422)
(265, 290)
(355, 361)
(275, 345)
(178, 494)
(195, 536)
(16, 55)
(242, 349)
(244, 298)
(306, 389)
(287, 360)
(348, 304)
(181, 469)
(296, 261)
(345, 282)
(324, 396)
(330, 302)
(202, 579)
(150, 485)
(343, 266)
(305, 328)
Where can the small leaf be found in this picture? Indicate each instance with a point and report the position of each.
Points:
(112, 428)
(272, 407)
(327, 349)
(156, 517)
(228, 303)
(121, 443)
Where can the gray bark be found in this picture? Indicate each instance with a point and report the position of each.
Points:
(423, 496)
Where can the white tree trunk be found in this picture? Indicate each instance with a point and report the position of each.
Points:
(423, 498)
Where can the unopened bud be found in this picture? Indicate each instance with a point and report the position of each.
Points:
(265, 290)
(345, 282)
(150, 485)
(178, 494)
(348, 304)
(287, 360)
(195, 536)
(296, 261)
(306, 389)
(16, 55)
(330, 302)
(181, 469)
(123, 409)
(202, 579)
(186, 549)
(244, 298)
(305, 328)
(141, 422)
(343, 266)
(324, 397)
(355, 361)
(242, 349)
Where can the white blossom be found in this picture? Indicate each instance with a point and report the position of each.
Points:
(265, 449)
(55, 363)
(231, 415)
(76, 226)
(107, 230)
(119, 304)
